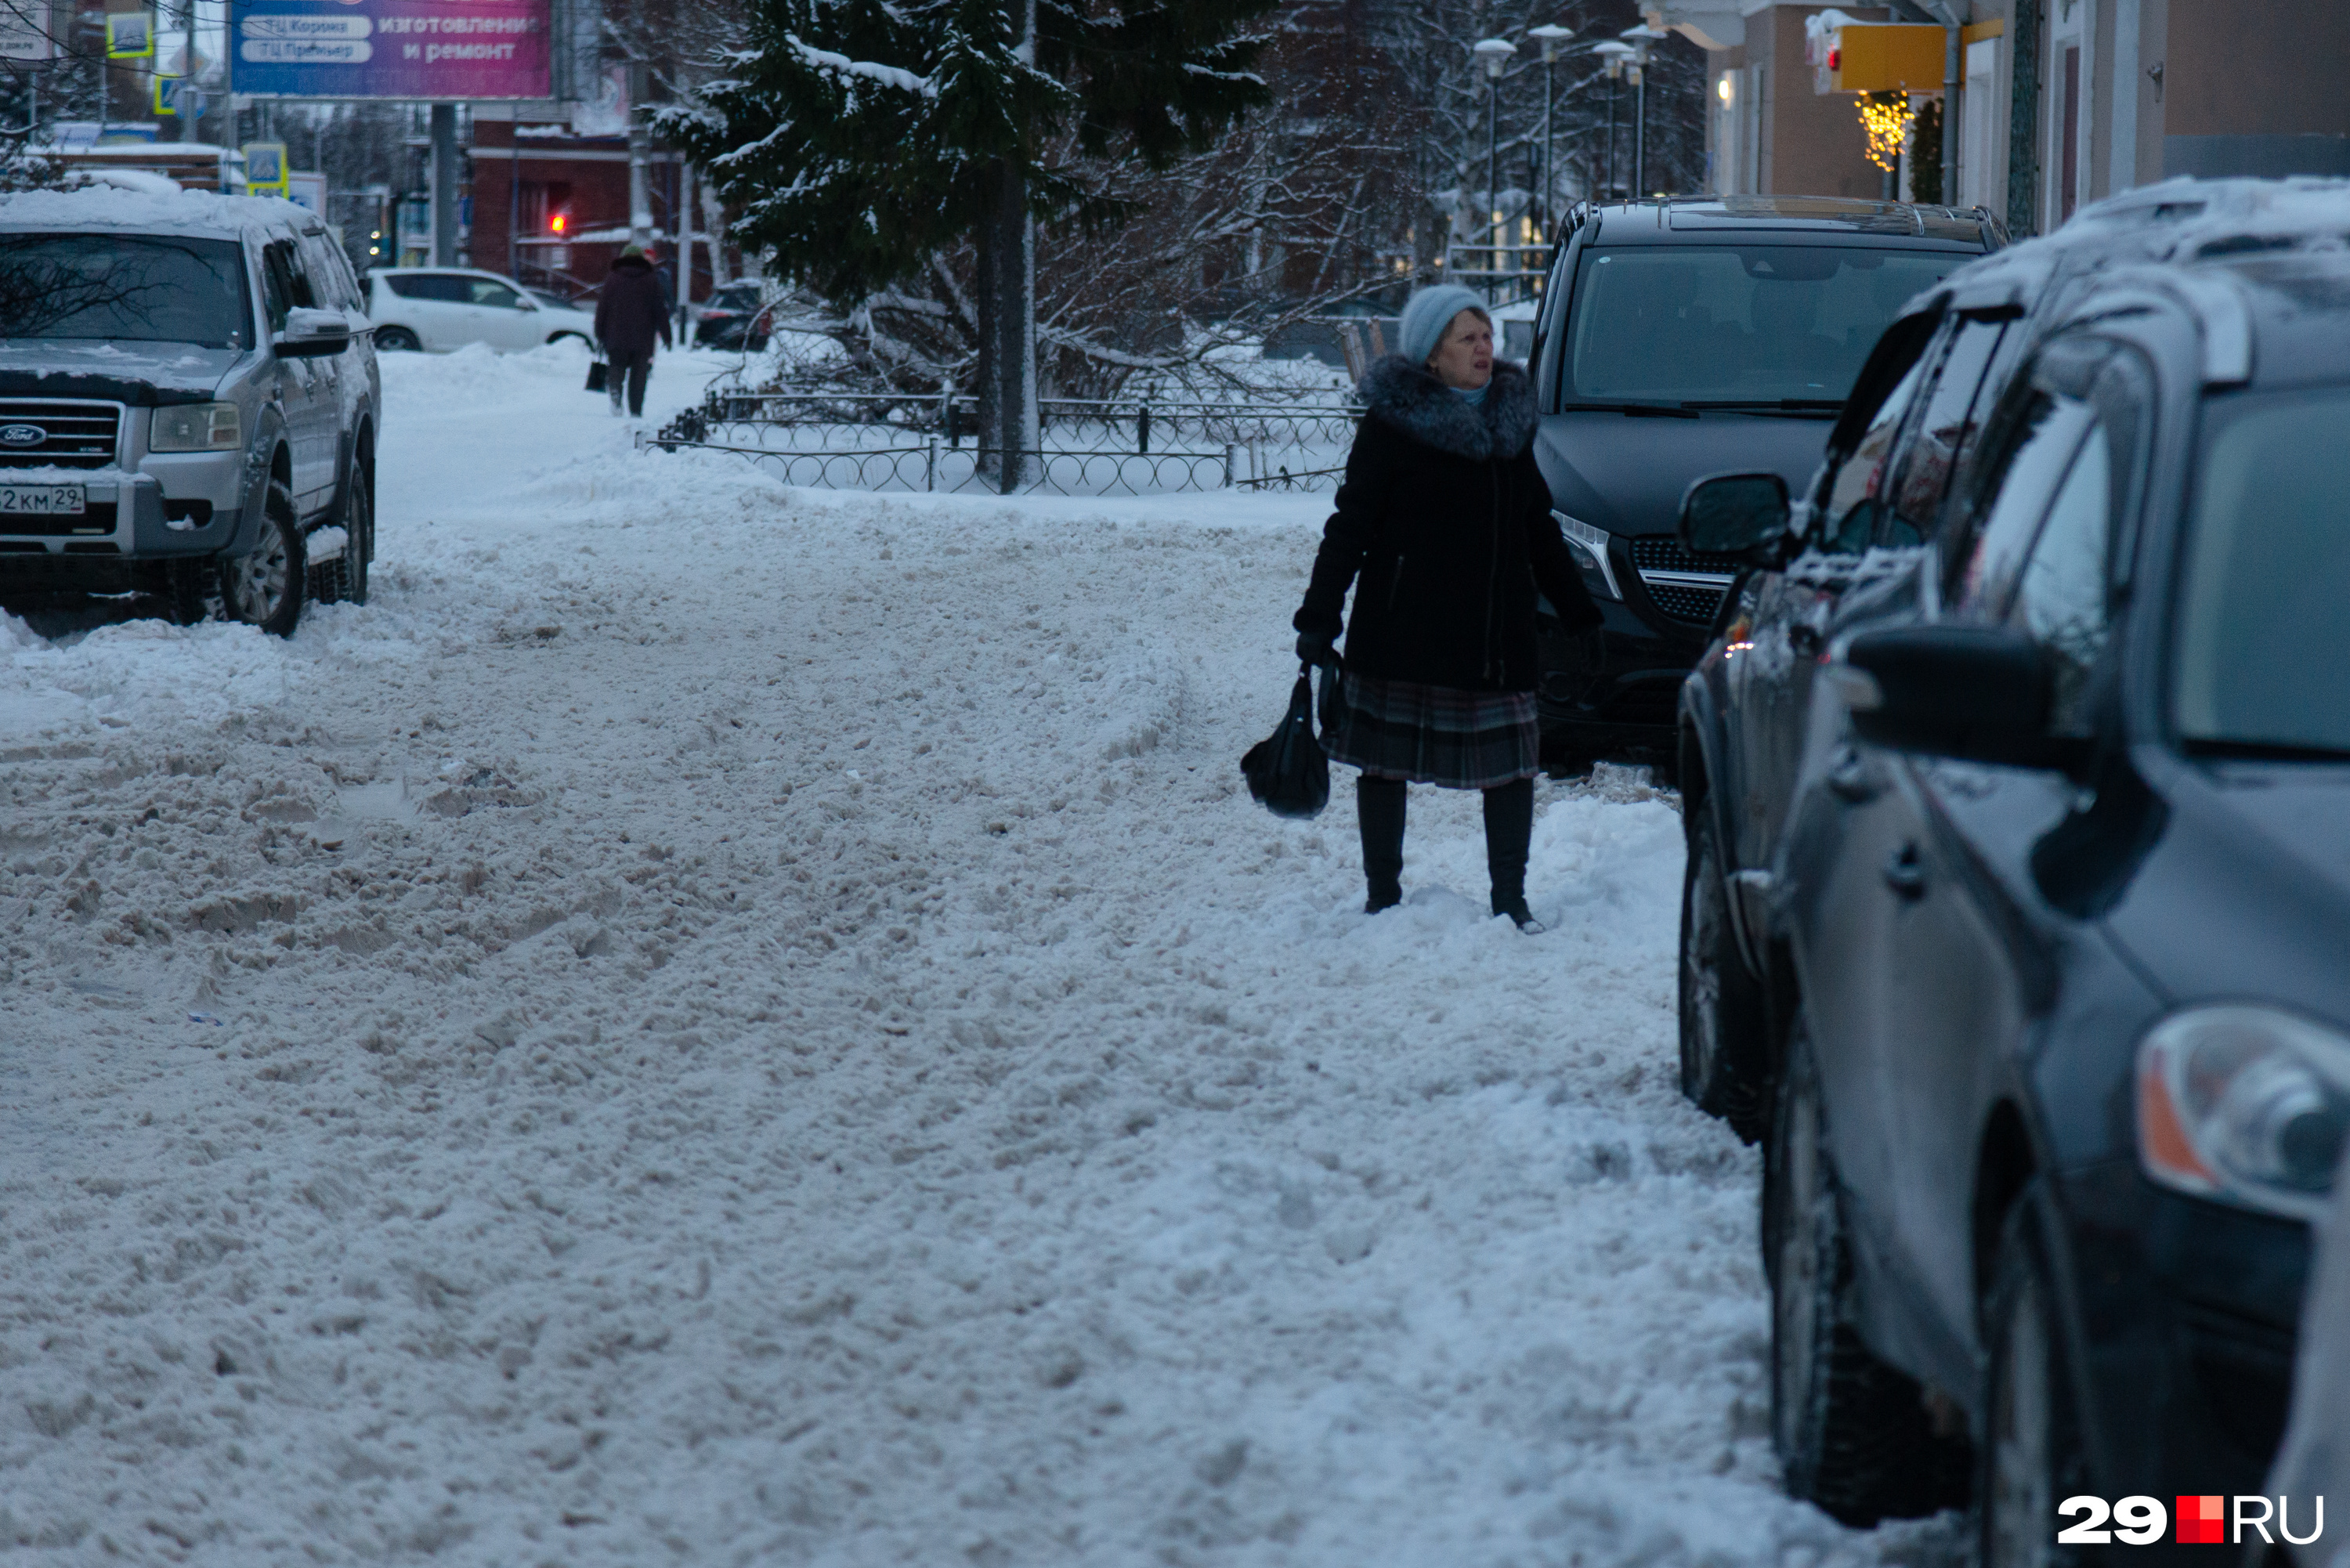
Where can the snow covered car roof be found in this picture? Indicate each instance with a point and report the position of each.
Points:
(184, 214)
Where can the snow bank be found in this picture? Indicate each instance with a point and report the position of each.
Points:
(732, 1024)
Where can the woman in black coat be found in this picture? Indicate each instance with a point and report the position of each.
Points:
(1444, 529)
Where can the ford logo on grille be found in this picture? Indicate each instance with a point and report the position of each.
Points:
(22, 435)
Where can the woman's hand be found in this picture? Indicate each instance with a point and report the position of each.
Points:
(1316, 649)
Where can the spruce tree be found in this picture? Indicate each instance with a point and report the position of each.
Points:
(856, 138)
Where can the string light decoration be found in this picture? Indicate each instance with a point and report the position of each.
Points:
(1887, 118)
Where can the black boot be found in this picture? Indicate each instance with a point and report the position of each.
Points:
(1378, 807)
(1509, 830)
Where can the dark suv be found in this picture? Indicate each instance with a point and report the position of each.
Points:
(2058, 1052)
(1855, 556)
(1678, 338)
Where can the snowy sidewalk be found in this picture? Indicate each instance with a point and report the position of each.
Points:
(745, 1026)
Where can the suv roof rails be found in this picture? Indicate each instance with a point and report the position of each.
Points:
(2211, 298)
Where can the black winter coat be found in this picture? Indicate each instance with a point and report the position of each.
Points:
(633, 310)
(1445, 521)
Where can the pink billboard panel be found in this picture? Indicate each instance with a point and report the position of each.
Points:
(434, 50)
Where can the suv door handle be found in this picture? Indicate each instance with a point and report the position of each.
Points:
(1905, 872)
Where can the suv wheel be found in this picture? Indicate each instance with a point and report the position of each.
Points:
(1722, 1069)
(345, 577)
(1851, 1430)
(397, 340)
(2029, 1456)
(265, 588)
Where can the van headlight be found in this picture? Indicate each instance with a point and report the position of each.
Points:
(197, 427)
(1588, 545)
(2244, 1104)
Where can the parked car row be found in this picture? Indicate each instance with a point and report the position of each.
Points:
(2016, 779)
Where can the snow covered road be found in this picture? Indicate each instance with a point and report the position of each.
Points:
(719, 1024)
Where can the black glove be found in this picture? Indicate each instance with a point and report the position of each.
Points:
(1315, 648)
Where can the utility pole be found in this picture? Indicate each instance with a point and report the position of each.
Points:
(684, 252)
(444, 184)
(641, 201)
(1008, 413)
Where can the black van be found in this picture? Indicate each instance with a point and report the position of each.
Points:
(1684, 337)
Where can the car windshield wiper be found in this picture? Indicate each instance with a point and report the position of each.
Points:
(1811, 406)
(1649, 411)
(2268, 751)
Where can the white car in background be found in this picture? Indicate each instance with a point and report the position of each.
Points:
(442, 309)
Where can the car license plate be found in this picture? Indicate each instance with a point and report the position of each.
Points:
(42, 500)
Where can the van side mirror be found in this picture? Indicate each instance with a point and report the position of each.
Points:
(1733, 513)
(312, 334)
(1975, 693)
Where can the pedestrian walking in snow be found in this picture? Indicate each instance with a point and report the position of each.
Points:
(633, 311)
(1443, 527)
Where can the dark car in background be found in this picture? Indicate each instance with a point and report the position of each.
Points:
(733, 317)
(1680, 338)
(2063, 885)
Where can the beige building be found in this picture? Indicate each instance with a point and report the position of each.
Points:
(2060, 102)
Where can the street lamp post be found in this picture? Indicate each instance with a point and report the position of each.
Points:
(1495, 53)
(1641, 38)
(1615, 54)
(1551, 35)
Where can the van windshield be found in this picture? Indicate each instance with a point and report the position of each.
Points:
(1736, 324)
(123, 289)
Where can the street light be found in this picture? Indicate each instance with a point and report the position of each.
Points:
(1616, 54)
(1551, 35)
(1642, 36)
(1496, 53)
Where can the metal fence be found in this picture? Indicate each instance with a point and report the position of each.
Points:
(1092, 446)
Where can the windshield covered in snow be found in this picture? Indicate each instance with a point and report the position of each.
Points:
(123, 289)
(2260, 616)
(1735, 324)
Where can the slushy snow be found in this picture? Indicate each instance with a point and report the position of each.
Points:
(713, 1023)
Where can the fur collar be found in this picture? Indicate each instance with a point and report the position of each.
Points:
(1405, 396)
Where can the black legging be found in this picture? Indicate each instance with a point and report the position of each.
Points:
(1509, 831)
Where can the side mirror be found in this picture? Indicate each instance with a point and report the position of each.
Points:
(1976, 693)
(312, 335)
(1733, 513)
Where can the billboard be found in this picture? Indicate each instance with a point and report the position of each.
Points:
(433, 50)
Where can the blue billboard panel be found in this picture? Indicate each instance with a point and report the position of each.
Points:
(434, 50)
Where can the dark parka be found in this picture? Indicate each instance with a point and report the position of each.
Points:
(1446, 520)
(633, 310)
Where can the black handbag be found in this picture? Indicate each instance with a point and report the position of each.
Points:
(599, 376)
(1288, 772)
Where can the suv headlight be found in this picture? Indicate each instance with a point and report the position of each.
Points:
(197, 427)
(1588, 545)
(2244, 1104)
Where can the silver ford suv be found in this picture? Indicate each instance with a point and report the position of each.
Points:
(188, 404)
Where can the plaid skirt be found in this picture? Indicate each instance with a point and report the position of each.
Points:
(1433, 734)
